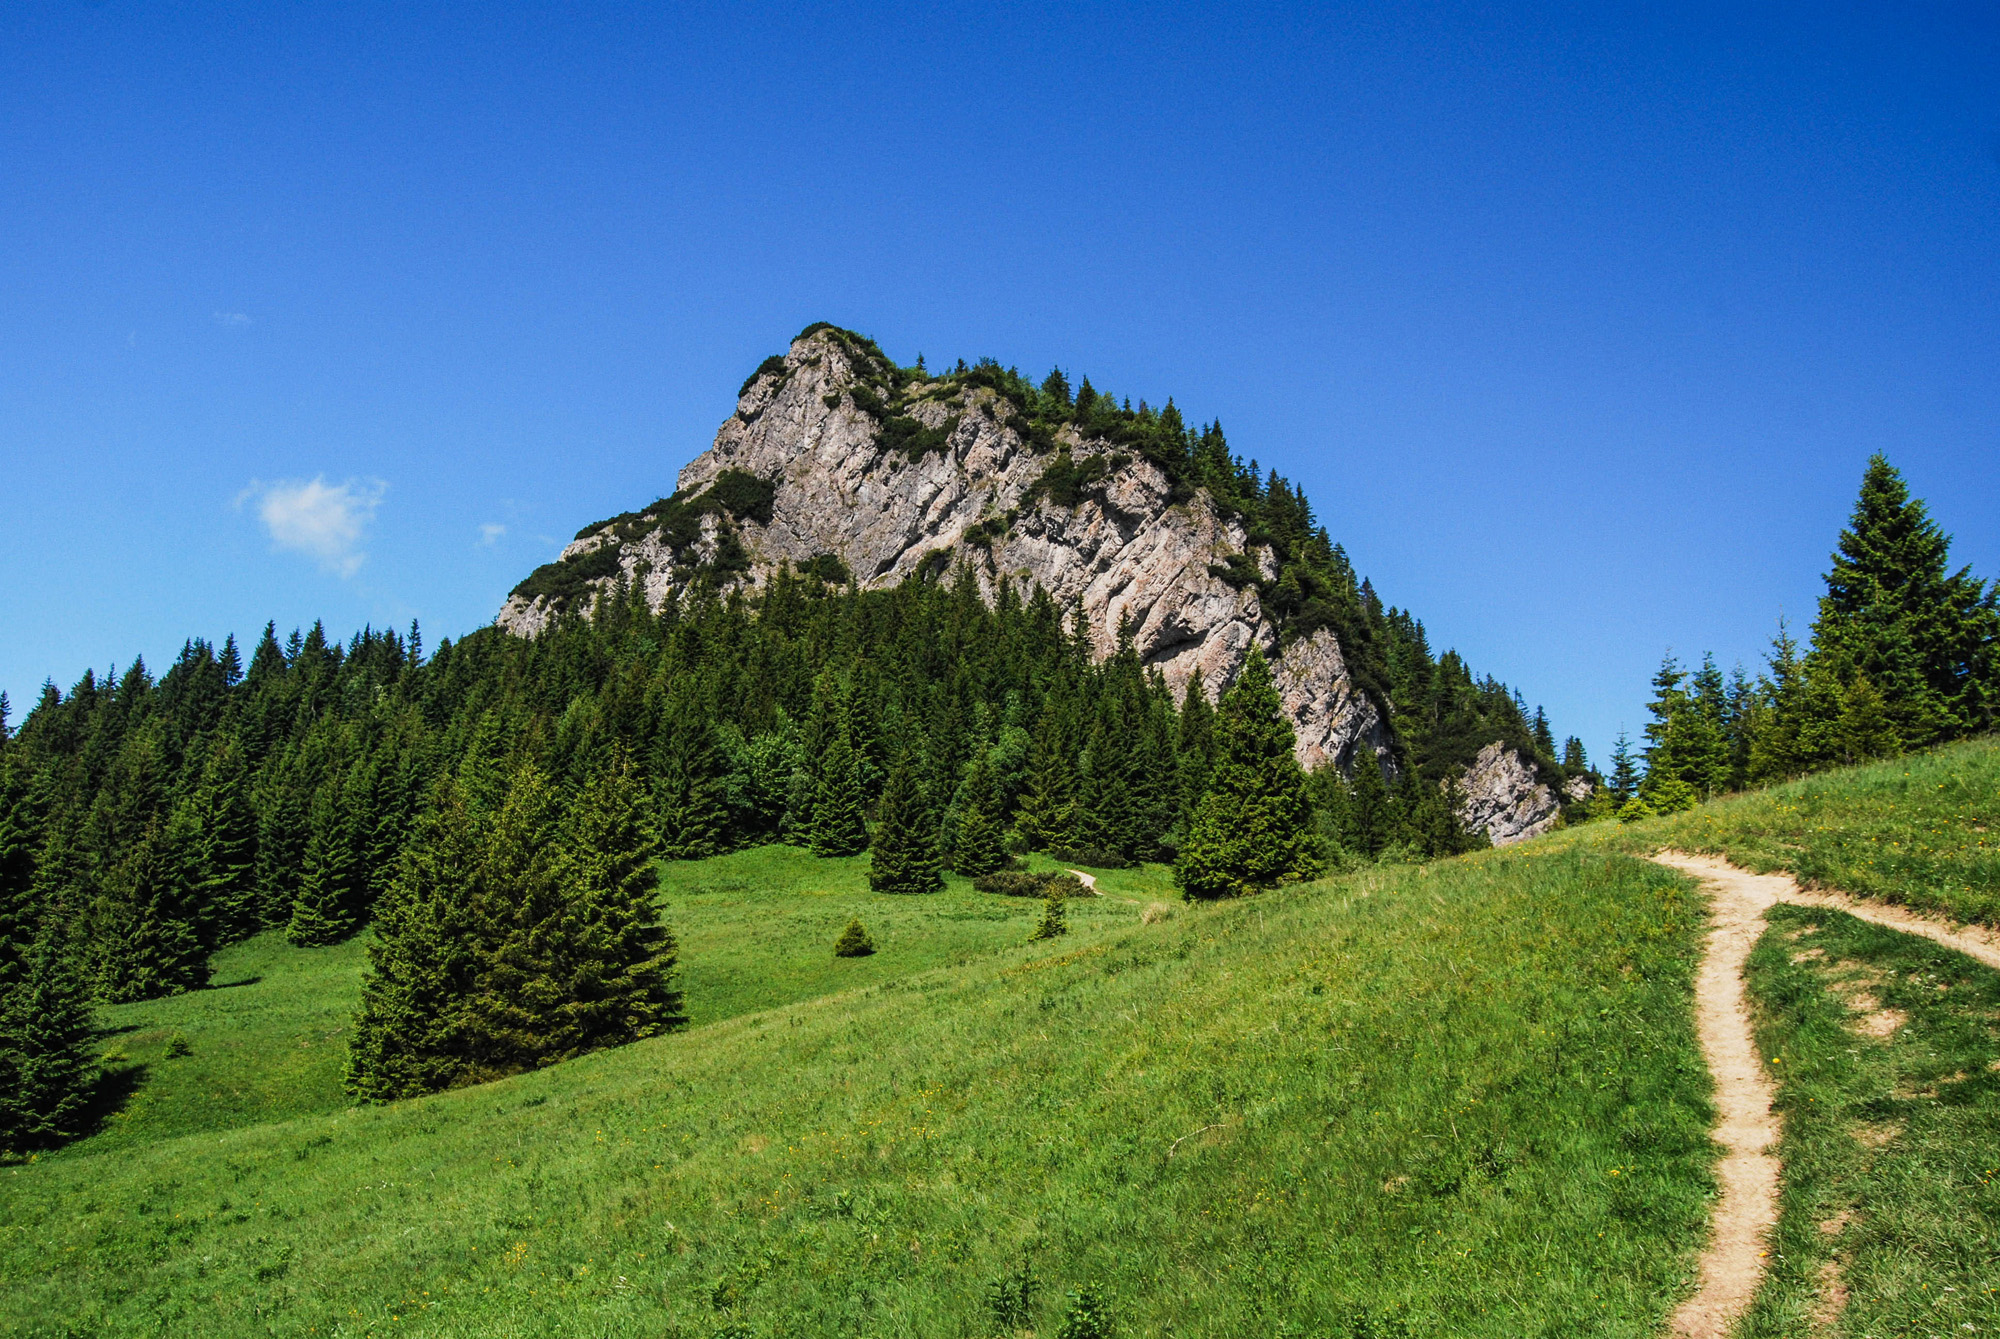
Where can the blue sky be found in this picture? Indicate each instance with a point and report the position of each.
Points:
(1577, 325)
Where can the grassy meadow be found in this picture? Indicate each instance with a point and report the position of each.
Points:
(1455, 1099)
(1922, 830)
(1884, 1050)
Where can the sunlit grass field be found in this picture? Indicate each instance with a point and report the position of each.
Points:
(1461, 1099)
(1922, 830)
(1883, 1047)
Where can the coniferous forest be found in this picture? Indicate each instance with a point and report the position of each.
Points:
(494, 808)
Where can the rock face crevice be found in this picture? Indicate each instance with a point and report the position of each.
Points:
(1124, 551)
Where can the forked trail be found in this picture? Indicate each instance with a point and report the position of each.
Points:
(1733, 1264)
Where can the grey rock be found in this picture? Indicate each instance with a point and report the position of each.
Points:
(1500, 795)
(1126, 554)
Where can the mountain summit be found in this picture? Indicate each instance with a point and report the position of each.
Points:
(844, 466)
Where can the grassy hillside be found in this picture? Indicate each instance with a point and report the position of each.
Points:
(270, 1040)
(1884, 1051)
(1465, 1099)
(1923, 830)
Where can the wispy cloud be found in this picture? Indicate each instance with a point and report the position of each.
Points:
(324, 521)
(232, 318)
(489, 533)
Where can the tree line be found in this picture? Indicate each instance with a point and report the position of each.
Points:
(1904, 653)
(146, 822)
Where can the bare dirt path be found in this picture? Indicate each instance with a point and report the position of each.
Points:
(1733, 1264)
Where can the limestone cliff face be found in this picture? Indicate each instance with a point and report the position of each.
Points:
(1501, 796)
(822, 476)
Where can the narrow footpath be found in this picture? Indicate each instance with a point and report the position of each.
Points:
(1733, 1264)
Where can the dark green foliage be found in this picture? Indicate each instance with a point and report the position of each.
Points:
(772, 366)
(826, 567)
(904, 857)
(909, 438)
(1254, 826)
(690, 788)
(424, 962)
(854, 941)
(325, 909)
(563, 581)
(1904, 654)
(514, 939)
(47, 1075)
(1066, 482)
(838, 825)
(976, 847)
(1026, 883)
(742, 495)
(143, 931)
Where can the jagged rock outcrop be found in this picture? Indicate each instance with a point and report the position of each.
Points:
(1501, 795)
(810, 472)
(1579, 788)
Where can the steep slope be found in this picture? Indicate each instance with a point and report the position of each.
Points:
(839, 463)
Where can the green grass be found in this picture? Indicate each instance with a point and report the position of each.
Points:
(1922, 830)
(1919, 1254)
(1464, 1097)
(756, 930)
(266, 1043)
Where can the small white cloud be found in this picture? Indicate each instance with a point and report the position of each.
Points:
(325, 521)
(489, 533)
(231, 318)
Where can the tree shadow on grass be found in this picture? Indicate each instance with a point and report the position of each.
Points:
(115, 1086)
(231, 985)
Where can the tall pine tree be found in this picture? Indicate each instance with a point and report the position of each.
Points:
(1254, 826)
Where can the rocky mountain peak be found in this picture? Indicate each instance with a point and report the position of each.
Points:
(840, 464)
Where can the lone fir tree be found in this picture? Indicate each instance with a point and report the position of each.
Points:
(1254, 826)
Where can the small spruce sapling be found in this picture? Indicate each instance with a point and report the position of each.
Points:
(854, 941)
(1054, 921)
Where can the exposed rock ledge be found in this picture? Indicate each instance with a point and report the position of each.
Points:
(1502, 797)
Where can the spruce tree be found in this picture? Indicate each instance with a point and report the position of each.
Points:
(904, 856)
(1893, 611)
(1254, 826)
(690, 789)
(144, 937)
(1371, 810)
(46, 1032)
(520, 914)
(323, 908)
(227, 852)
(1624, 780)
(839, 827)
(854, 941)
(283, 800)
(1048, 814)
(410, 1032)
(1193, 741)
(617, 962)
(1054, 922)
(977, 849)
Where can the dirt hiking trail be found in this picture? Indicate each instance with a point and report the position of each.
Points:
(1733, 1264)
